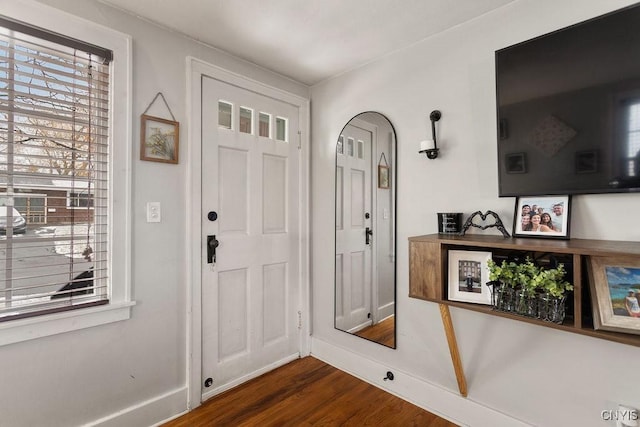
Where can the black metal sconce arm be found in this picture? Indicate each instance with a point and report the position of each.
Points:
(432, 153)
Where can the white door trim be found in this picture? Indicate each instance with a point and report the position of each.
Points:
(195, 70)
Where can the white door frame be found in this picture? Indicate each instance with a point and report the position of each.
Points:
(195, 70)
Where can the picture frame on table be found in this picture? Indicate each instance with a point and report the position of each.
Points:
(553, 214)
(615, 293)
(468, 274)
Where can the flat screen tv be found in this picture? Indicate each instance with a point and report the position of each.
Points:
(569, 109)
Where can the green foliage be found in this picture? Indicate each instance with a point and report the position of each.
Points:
(530, 277)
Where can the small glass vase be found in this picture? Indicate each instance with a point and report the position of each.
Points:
(494, 287)
(507, 298)
(551, 308)
(526, 304)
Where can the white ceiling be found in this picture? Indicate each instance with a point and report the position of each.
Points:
(308, 40)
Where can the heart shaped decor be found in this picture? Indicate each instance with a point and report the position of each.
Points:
(479, 220)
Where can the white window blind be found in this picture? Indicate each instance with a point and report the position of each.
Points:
(54, 162)
(633, 141)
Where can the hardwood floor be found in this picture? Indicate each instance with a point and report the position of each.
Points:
(307, 392)
(383, 333)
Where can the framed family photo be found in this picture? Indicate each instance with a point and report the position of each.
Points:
(468, 274)
(159, 139)
(615, 292)
(542, 217)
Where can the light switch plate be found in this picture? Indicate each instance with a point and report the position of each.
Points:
(153, 212)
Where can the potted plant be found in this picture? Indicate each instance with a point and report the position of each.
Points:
(554, 293)
(527, 289)
(503, 281)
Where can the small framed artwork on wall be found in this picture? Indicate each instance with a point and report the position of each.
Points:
(159, 139)
(383, 172)
(468, 273)
(542, 216)
(587, 161)
(516, 163)
(383, 176)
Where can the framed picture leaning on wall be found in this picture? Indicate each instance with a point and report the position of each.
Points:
(615, 293)
(542, 216)
(468, 275)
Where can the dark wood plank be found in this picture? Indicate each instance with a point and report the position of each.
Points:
(573, 246)
(307, 392)
(425, 268)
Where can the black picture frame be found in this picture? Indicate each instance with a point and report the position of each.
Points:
(558, 208)
(516, 163)
(586, 161)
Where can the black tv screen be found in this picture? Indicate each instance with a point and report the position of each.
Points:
(569, 109)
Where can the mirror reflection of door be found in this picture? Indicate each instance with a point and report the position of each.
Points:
(365, 229)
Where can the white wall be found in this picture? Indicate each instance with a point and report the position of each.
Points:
(530, 373)
(105, 371)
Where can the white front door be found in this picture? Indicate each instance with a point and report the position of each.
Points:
(250, 179)
(353, 220)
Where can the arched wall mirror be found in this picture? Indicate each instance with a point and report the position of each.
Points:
(365, 266)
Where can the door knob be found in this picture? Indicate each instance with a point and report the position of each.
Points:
(212, 244)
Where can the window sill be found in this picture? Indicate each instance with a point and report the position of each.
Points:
(43, 326)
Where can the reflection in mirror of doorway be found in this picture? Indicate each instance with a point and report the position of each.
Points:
(365, 264)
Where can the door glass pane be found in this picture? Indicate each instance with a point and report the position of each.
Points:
(264, 125)
(246, 120)
(340, 148)
(281, 129)
(360, 149)
(350, 147)
(224, 114)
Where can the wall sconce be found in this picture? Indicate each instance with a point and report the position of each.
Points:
(431, 153)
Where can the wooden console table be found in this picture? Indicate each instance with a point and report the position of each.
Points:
(428, 267)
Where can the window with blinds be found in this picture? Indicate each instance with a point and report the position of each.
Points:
(54, 162)
(633, 141)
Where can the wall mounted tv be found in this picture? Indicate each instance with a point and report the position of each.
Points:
(569, 109)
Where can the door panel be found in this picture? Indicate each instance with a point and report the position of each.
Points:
(233, 190)
(233, 322)
(274, 302)
(274, 193)
(357, 199)
(357, 282)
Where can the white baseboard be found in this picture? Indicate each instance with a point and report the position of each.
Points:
(437, 400)
(151, 412)
(386, 311)
(249, 376)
